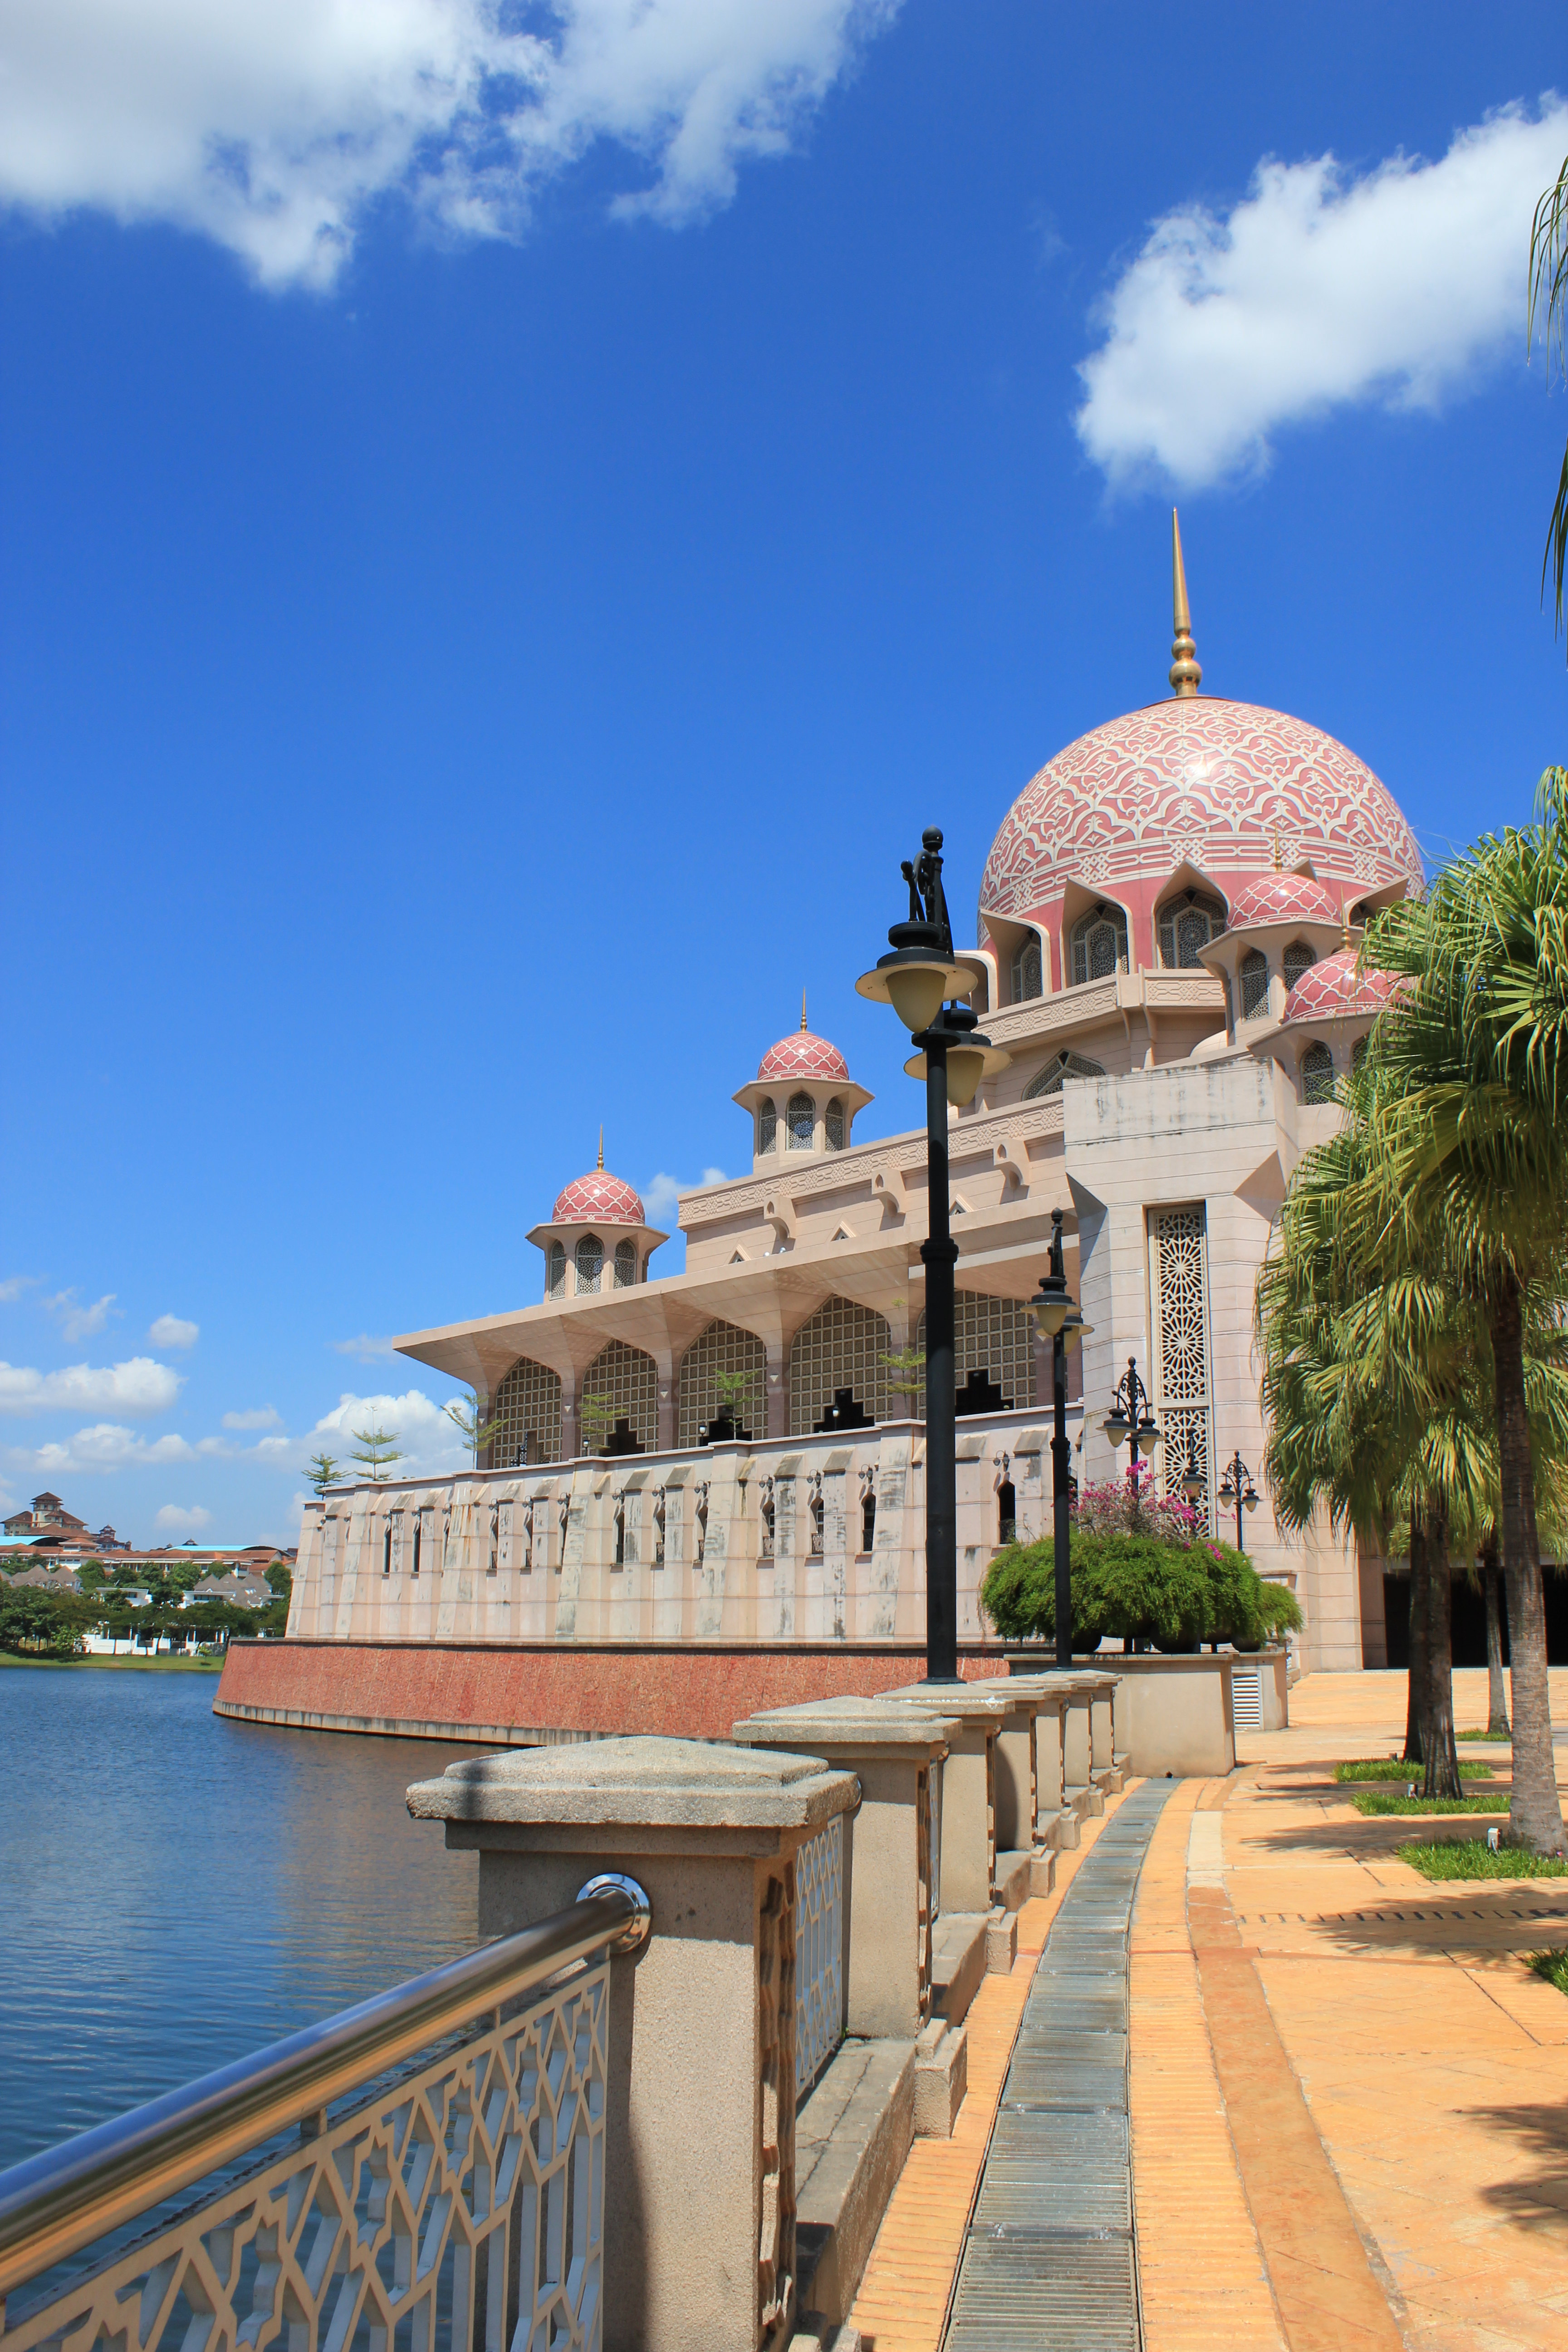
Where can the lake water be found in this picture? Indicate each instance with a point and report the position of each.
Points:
(176, 1890)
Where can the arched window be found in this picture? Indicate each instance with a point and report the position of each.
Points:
(621, 1384)
(1254, 983)
(767, 1123)
(1317, 1074)
(724, 1370)
(626, 1264)
(832, 1125)
(557, 1270)
(842, 1346)
(527, 1412)
(1298, 958)
(1048, 1081)
(801, 1120)
(1028, 972)
(1187, 923)
(1099, 945)
(590, 1258)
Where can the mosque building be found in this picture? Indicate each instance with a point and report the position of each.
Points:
(1166, 948)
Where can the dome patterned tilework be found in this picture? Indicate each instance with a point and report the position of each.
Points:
(802, 1054)
(1226, 787)
(597, 1198)
(1284, 898)
(1333, 987)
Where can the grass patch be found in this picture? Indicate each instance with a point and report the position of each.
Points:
(1388, 1768)
(1383, 1801)
(1473, 1858)
(1552, 1966)
(159, 1665)
(1502, 1738)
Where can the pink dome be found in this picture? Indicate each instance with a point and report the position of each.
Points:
(1225, 787)
(802, 1054)
(598, 1199)
(1284, 898)
(1333, 990)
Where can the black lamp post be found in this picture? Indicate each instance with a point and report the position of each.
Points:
(1130, 1422)
(1238, 1488)
(1060, 1322)
(917, 979)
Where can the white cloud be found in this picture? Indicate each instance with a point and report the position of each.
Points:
(661, 1197)
(171, 1520)
(106, 1445)
(77, 1321)
(137, 1386)
(274, 126)
(427, 1440)
(1318, 290)
(265, 1416)
(366, 1347)
(173, 1331)
(14, 1284)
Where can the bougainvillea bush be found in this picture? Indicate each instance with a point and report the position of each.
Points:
(1143, 1569)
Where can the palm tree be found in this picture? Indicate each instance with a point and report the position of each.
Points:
(1549, 292)
(1468, 1136)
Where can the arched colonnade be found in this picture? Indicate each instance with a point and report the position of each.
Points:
(623, 1393)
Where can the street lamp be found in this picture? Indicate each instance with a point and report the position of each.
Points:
(1239, 1489)
(1060, 1322)
(1129, 1422)
(916, 979)
(1195, 1485)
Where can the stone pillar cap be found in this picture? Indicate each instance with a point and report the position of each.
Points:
(966, 1703)
(639, 1783)
(849, 1722)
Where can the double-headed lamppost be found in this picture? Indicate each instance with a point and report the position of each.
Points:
(916, 979)
(1238, 1488)
(1060, 1322)
(1129, 1422)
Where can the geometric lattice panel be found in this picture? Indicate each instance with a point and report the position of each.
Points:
(460, 2210)
(995, 1335)
(722, 1348)
(620, 1384)
(841, 1347)
(819, 1952)
(527, 1412)
(1178, 1246)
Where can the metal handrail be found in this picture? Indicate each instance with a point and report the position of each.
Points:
(54, 2203)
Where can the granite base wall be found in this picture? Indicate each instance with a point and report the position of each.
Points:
(551, 1693)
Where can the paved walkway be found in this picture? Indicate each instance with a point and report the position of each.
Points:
(1348, 2096)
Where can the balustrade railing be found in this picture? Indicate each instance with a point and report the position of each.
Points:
(441, 2188)
(818, 1952)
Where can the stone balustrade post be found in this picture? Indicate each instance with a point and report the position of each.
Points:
(700, 2198)
(967, 1865)
(887, 1853)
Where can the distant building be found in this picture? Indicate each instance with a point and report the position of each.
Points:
(47, 1519)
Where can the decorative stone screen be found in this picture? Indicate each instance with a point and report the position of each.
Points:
(819, 1952)
(989, 1335)
(802, 1117)
(722, 1348)
(1297, 960)
(557, 1270)
(1187, 923)
(1254, 984)
(1317, 1074)
(622, 1384)
(527, 1407)
(832, 1125)
(590, 1260)
(626, 1264)
(1179, 1283)
(841, 1347)
(1099, 945)
(767, 1123)
(1048, 1081)
(1027, 972)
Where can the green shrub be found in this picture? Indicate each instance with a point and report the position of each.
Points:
(1140, 1582)
(1552, 1965)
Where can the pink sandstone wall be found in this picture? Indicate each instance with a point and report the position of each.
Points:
(454, 1690)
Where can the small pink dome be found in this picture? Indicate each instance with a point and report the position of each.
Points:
(1284, 898)
(598, 1199)
(802, 1054)
(1333, 989)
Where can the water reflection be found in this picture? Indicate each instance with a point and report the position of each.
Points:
(178, 1889)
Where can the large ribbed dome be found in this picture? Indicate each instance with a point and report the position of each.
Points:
(597, 1198)
(1225, 787)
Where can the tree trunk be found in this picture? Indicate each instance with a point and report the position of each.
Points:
(1416, 1703)
(1496, 1695)
(1441, 1755)
(1535, 1814)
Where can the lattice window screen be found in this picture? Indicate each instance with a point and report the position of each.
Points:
(722, 1348)
(1179, 1281)
(623, 1382)
(991, 1335)
(841, 1347)
(527, 1404)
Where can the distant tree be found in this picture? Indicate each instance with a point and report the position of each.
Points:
(378, 1450)
(597, 1415)
(280, 1576)
(41, 1624)
(906, 1373)
(92, 1576)
(323, 1471)
(464, 1415)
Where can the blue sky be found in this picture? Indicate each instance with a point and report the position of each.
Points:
(512, 524)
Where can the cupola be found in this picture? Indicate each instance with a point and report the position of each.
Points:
(802, 1100)
(597, 1238)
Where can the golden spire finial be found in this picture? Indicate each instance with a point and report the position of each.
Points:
(601, 1143)
(1278, 861)
(803, 1008)
(1185, 675)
